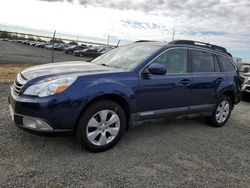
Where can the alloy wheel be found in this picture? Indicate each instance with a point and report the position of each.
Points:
(103, 127)
(222, 111)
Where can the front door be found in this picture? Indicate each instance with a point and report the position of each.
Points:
(166, 94)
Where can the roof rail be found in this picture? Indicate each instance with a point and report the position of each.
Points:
(201, 44)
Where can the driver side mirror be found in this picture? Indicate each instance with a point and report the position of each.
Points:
(156, 68)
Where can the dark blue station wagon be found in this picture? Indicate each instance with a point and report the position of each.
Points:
(101, 99)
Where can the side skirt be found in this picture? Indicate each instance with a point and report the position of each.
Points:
(190, 112)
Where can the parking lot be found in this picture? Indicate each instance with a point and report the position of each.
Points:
(162, 153)
(11, 52)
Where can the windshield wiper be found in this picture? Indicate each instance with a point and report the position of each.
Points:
(103, 64)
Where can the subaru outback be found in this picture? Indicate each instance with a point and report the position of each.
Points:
(97, 101)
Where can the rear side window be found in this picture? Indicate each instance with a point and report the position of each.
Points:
(202, 61)
(175, 60)
(225, 64)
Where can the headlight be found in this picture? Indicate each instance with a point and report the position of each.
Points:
(50, 87)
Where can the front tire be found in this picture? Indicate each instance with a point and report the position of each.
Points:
(221, 112)
(101, 126)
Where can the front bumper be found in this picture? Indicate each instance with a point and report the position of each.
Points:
(44, 116)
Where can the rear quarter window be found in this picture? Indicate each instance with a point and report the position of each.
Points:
(225, 64)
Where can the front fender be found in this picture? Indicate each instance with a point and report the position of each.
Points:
(85, 91)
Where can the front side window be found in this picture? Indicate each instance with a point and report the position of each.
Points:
(225, 64)
(202, 61)
(175, 60)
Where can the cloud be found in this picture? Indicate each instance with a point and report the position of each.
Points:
(230, 13)
(219, 21)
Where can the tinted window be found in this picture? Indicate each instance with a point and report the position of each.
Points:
(225, 64)
(202, 61)
(176, 60)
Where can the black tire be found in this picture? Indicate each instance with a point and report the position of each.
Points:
(89, 113)
(211, 120)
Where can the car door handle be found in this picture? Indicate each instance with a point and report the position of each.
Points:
(219, 80)
(185, 82)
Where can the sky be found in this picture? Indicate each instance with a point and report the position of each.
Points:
(221, 22)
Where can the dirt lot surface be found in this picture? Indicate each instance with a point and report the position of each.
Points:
(170, 153)
(8, 72)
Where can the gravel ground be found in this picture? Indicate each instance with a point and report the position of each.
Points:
(170, 153)
(11, 52)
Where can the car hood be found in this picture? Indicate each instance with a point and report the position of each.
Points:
(65, 68)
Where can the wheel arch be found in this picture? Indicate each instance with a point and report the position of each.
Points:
(231, 95)
(112, 97)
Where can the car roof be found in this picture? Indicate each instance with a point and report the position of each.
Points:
(188, 43)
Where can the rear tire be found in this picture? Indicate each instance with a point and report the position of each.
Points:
(101, 126)
(221, 112)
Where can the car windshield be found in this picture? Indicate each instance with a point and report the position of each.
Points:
(127, 57)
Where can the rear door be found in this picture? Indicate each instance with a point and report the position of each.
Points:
(207, 80)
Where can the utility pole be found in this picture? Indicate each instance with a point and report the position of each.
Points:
(173, 34)
(108, 39)
(118, 43)
(53, 42)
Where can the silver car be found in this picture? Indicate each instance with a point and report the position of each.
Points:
(246, 83)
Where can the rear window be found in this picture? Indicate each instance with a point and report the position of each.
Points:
(202, 61)
(225, 64)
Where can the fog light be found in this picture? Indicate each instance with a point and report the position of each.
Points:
(36, 124)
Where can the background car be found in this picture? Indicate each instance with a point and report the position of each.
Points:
(245, 67)
(93, 53)
(246, 84)
(55, 46)
(48, 46)
(40, 44)
(71, 49)
(58, 47)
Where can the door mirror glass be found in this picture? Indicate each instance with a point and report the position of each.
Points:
(157, 68)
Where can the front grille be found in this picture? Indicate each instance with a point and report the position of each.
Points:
(18, 84)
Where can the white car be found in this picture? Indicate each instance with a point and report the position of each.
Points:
(245, 67)
(246, 84)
